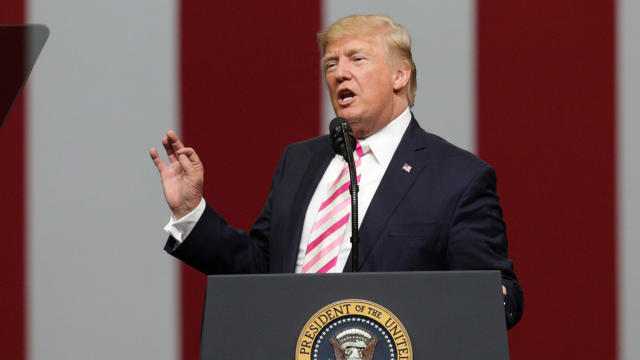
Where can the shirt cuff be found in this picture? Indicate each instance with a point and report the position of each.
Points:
(181, 228)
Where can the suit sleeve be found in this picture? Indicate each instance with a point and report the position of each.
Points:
(477, 240)
(214, 247)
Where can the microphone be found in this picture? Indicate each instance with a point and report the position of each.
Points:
(343, 144)
(337, 129)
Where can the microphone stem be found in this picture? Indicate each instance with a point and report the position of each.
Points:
(353, 189)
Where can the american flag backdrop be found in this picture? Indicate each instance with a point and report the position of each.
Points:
(546, 91)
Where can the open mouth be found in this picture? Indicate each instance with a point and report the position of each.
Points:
(345, 97)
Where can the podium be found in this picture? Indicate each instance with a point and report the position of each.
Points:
(441, 315)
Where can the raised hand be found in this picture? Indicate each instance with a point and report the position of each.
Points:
(182, 178)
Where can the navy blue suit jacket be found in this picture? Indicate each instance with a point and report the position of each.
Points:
(442, 215)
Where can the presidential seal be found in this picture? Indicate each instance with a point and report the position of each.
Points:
(354, 330)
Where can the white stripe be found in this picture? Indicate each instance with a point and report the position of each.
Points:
(343, 180)
(103, 92)
(324, 260)
(628, 179)
(339, 215)
(320, 264)
(336, 201)
(339, 233)
(443, 37)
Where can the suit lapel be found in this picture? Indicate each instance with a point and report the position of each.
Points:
(320, 159)
(394, 186)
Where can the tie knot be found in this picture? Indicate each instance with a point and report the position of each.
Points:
(362, 148)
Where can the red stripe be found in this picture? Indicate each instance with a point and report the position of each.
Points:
(546, 121)
(250, 85)
(12, 261)
(330, 230)
(359, 149)
(339, 191)
(328, 266)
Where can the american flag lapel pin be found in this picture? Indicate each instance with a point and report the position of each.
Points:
(406, 167)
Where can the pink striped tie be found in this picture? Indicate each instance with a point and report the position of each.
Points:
(331, 221)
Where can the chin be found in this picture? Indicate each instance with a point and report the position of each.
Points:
(349, 114)
(359, 133)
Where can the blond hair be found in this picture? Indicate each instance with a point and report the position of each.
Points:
(397, 40)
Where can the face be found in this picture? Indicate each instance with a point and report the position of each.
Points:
(361, 83)
(353, 353)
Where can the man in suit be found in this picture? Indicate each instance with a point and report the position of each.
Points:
(424, 203)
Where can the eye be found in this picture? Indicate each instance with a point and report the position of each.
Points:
(358, 58)
(329, 65)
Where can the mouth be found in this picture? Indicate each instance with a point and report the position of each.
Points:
(346, 97)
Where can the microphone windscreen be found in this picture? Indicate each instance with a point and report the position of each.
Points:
(337, 135)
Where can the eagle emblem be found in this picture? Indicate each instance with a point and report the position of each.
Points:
(354, 344)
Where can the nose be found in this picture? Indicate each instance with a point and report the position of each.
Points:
(343, 71)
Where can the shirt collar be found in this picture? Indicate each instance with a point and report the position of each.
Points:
(384, 142)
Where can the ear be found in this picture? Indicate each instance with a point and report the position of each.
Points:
(401, 75)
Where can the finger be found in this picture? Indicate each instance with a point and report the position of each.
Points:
(504, 290)
(160, 165)
(185, 163)
(174, 140)
(190, 153)
(169, 150)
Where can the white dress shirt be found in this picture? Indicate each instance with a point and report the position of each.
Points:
(383, 145)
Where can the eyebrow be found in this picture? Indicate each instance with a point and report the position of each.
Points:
(357, 50)
(349, 52)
